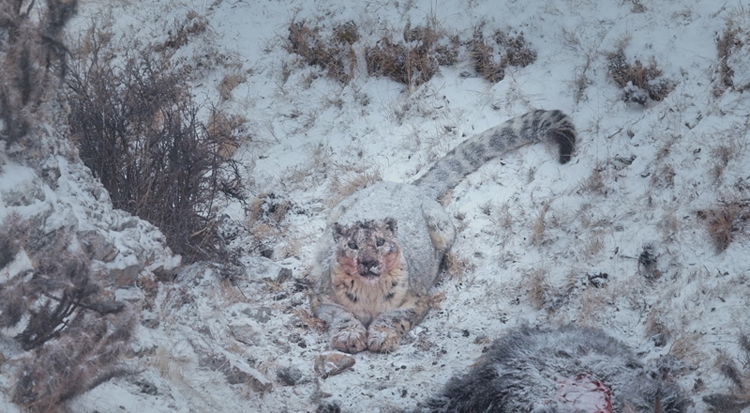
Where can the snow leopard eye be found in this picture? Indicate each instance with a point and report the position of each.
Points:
(352, 245)
(380, 242)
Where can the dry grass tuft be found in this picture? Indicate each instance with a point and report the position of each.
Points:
(725, 220)
(639, 83)
(593, 245)
(310, 321)
(725, 45)
(656, 329)
(538, 289)
(539, 227)
(181, 33)
(738, 376)
(455, 266)
(270, 208)
(721, 157)
(334, 54)
(594, 184)
(684, 348)
(491, 63)
(343, 187)
(225, 127)
(415, 60)
(268, 225)
(731, 51)
(229, 83)
(412, 59)
(33, 60)
(663, 177)
(593, 302)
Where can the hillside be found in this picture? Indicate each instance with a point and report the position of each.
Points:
(644, 234)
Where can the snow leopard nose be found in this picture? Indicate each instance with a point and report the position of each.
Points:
(370, 266)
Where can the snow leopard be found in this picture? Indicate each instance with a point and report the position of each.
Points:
(383, 245)
(570, 369)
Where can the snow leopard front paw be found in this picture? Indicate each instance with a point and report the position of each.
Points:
(351, 339)
(382, 339)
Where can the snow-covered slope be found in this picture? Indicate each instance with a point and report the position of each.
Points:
(615, 239)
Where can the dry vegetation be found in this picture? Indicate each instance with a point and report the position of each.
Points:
(143, 136)
(32, 60)
(739, 377)
(639, 83)
(725, 45)
(491, 63)
(74, 333)
(728, 44)
(343, 187)
(725, 220)
(268, 225)
(415, 60)
(333, 54)
(412, 59)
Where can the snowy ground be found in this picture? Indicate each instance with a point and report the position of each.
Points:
(533, 233)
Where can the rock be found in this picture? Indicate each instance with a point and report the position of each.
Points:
(289, 376)
(124, 272)
(332, 363)
(244, 333)
(235, 373)
(97, 246)
(147, 387)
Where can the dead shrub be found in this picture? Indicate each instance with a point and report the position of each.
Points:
(596, 182)
(333, 54)
(491, 60)
(732, 52)
(32, 60)
(656, 330)
(181, 32)
(725, 220)
(142, 135)
(228, 84)
(539, 289)
(725, 45)
(484, 62)
(74, 333)
(516, 50)
(12, 237)
(540, 226)
(87, 355)
(411, 61)
(455, 266)
(721, 157)
(269, 208)
(400, 63)
(268, 225)
(739, 377)
(639, 83)
(225, 127)
(416, 60)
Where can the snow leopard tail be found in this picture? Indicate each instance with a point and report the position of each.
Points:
(533, 127)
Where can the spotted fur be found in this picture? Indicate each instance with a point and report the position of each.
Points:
(532, 370)
(534, 127)
(382, 249)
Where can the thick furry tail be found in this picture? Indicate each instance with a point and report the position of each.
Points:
(533, 127)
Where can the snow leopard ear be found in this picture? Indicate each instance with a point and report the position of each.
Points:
(338, 230)
(391, 224)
